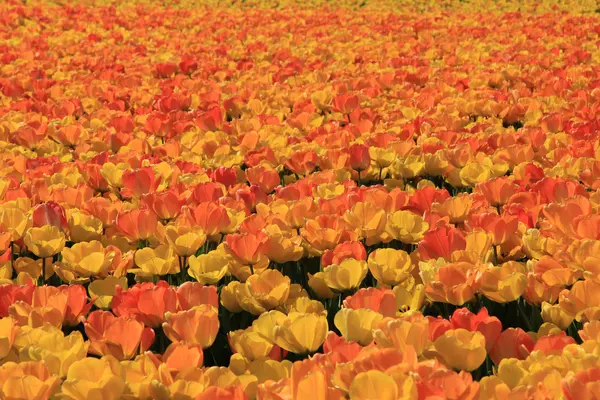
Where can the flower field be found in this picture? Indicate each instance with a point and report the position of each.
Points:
(263, 199)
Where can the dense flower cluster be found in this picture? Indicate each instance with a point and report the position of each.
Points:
(293, 200)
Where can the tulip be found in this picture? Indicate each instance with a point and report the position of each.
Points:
(84, 228)
(263, 292)
(191, 294)
(553, 344)
(211, 218)
(185, 240)
(502, 284)
(346, 276)
(250, 344)
(159, 261)
(87, 259)
(145, 302)
(49, 344)
(102, 291)
(512, 343)
(117, 337)
(453, 283)
(360, 159)
(389, 266)
(281, 249)
(138, 224)
(556, 315)
(7, 335)
(88, 377)
(13, 221)
(229, 297)
(354, 250)
(180, 356)
(441, 242)
(166, 205)
(301, 333)
(50, 213)
(581, 384)
(245, 248)
(198, 325)
(45, 241)
(490, 327)
(27, 380)
(369, 221)
(461, 349)
(382, 301)
(406, 226)
(208, 269)
(357, 325)
(139, 374)
(400, 333)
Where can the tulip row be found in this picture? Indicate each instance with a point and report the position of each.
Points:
(283, 200)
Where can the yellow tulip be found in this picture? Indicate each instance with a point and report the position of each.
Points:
(269, 370)
(159, 261)
(103, 290)
(556, 315)
(461, 349)
(87, 259)
(139, 374)
(94, 378)
(228, 298)
(373, 385)
(7, 335)
(389, 266)
(319, 286)
(263, 292)
(406, 226)
(250, 344)
(301, 333)
(45, 241)
(27, 380)
(185, 240)
(84, 228)
(208, 269)
(357, 325)
(348, 275)
(14, 221)
(49, 344)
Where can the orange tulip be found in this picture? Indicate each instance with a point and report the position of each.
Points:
(198, 325)
(166, 205)
(119, 337)
(138, 224)
(145, 302)
(140, 182)
(382, 301)
(497, 190)
(512, 343)
(453, 283)
(246, 248)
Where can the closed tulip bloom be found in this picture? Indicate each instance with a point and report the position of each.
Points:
(406, 226)
(49, 213)
(281, 249)
(159, 261)
(350, 249)
(250, 344)
(145, 302)
(357, 325)
(92, 377)
(301, 333)
(14, 221)
(87, 258)
(266, 178)
(348, 275)
(208, 269)
(360, 158)
(185, 240)
(198, 325)
(389, 266)
(402, 332)
(211, 218)
(461, 349)
(498, 190)
(228, 298)
(166, 205)
(45, 241)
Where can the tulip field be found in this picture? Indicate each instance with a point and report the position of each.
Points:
(290, 200)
